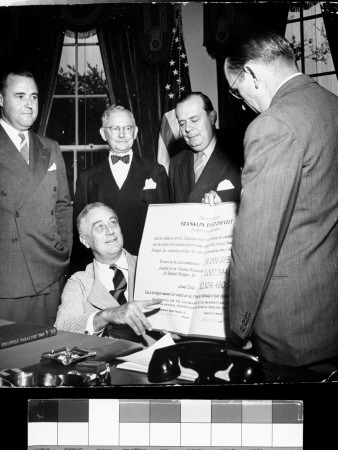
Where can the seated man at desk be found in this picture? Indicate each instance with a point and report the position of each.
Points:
(99, 300)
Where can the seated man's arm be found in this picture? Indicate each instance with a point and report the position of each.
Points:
(128, 314)
(75, 310)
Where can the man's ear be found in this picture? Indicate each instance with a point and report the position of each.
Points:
(1, 100)
(103, 134)
(83, 240)
(253, 73)
(213, 117)
(135, 132)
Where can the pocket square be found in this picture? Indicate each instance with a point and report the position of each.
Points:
(224, 185)
(52, 168)
(149, 184)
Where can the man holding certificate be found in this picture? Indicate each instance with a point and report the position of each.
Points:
(205, 164)
(99, 300)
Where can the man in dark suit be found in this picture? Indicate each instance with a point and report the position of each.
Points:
(124, 181)
(35, 208)
(100, 299)
(205, 164)
(289, 196)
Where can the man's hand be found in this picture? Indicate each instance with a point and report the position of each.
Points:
(212, 198)
(128, 314)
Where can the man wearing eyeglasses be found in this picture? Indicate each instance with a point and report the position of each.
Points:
(123, 181)
(287, 221)
(205, 164)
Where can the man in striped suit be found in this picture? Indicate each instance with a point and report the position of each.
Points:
(99, 300)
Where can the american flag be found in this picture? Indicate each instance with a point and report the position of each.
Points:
(178, 83)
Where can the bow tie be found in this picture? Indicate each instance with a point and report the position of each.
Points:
(115, 159)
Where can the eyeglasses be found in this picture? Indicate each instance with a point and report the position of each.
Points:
(235, 92)
(116, 130)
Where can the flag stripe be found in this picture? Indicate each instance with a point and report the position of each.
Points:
(168, 134)
(178, 83)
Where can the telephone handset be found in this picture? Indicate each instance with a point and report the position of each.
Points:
(206, 358)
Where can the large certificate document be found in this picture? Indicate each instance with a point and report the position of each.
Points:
(184, 261)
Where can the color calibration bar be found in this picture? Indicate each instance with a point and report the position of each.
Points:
(125, 424)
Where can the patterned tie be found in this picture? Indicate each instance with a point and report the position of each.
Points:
(120, 285)
(198, 165)
(120, 331)
(115, 159)
(24, 150)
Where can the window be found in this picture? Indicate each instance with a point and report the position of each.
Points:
(79, 100)
(306, 32)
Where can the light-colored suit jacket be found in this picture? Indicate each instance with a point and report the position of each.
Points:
(84, 294)
(295, 139)
(35, 217)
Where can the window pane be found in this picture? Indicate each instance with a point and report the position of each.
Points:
(293, 15)
(329, 82)
(315, 9)
(90, 113)
(61, 123)
(66, 77)
(92, 78)
(316, 47)
(69, 40)
(88, 40)
(292, 34)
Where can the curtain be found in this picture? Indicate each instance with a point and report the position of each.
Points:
(36, 46)
(135, 56)
(220, 22)
(135, 44)
(330, 17)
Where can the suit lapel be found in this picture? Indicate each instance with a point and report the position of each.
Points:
(211, 175)
(11, 159)
(106, 180)
(39, 158)
(131, 275)
(99, 297)
(135, 181)
(186, 174)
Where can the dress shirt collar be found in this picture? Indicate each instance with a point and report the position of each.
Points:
(286, 80)
(121, 263)
(207, 152)
(13, 133)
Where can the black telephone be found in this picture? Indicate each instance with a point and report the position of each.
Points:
(206, 358)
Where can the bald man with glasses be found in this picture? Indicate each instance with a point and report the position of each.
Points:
(283, 272)
(123, 181)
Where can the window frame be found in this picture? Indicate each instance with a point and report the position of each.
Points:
(301, 21)
(76, 148)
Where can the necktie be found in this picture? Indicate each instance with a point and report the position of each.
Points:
(198, 165)
(24, 150)
(120, 285)
(115, 159)
(120, 331)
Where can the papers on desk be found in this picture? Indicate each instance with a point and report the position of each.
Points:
(139, 361)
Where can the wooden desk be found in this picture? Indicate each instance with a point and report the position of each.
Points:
(27, 357)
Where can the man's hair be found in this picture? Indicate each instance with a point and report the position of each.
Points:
(12, 73)
(111, 109)
(267, 47)
(86, 210)
(207, 105)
